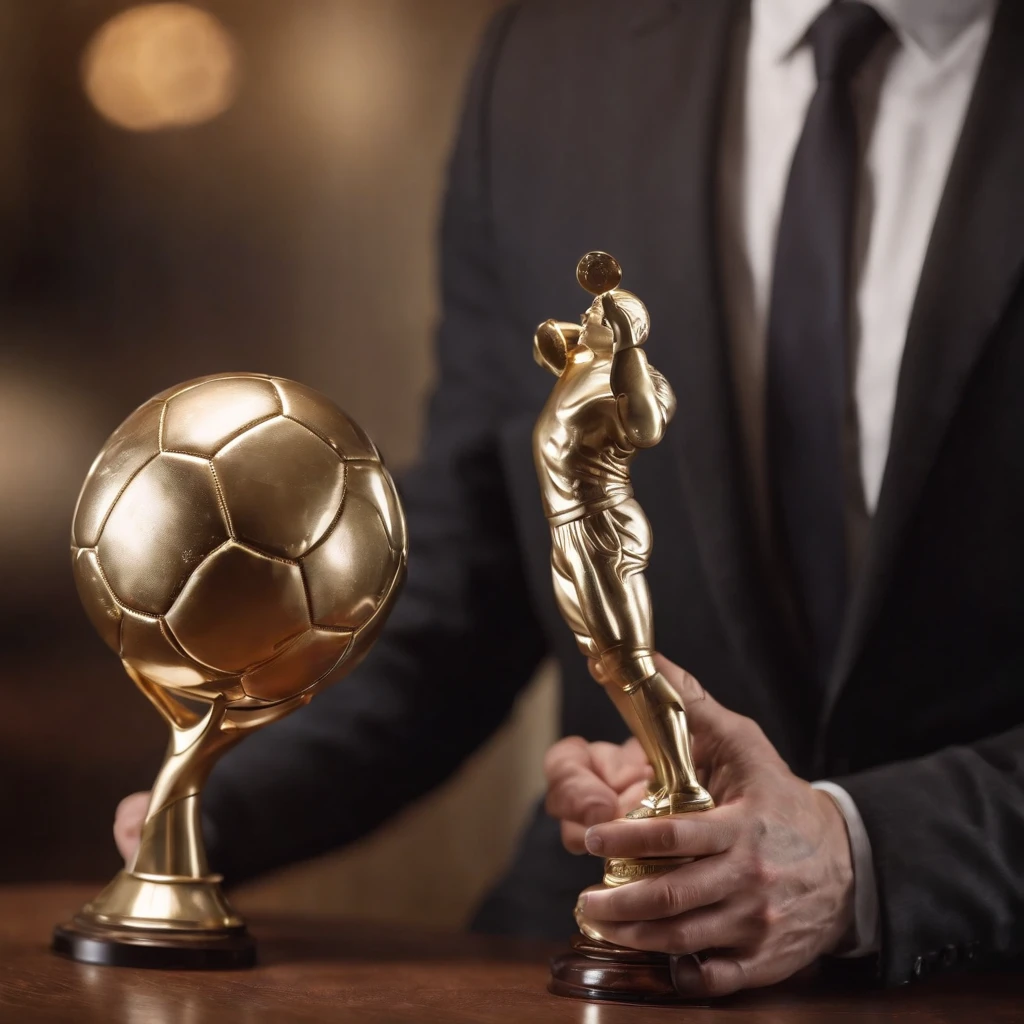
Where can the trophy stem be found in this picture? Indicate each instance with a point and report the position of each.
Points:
(166, 909)
(171, 844)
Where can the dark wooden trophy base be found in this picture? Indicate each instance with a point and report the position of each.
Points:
(602, 972)
(212, 951)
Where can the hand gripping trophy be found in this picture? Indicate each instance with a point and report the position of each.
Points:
(239, 544)
(607, 404)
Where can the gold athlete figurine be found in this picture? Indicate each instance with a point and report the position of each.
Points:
(608, 403)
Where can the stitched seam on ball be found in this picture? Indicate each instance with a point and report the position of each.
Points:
(280, 396)
(185, 581)
(253, 550)
(334, 448)
(241, 430)
(336, 665)
(176, 644)
(334, 521)
(305, 590)
(160, 427)
(237, 375)
(117, 498)
(222, 502)
(384, 597)
(120, 604)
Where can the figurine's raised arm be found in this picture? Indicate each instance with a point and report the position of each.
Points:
(643, 397)
(552, 342)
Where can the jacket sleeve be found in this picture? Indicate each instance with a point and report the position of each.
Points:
(947, 839)
(462, 640)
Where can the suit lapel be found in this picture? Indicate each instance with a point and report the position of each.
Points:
(675, 263)
(974, 262)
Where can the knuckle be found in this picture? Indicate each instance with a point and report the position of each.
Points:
(566, 753)
(718, 979)
(689, 937)
(662, 836)
(761, 871)
(676, 898)
(771, 916)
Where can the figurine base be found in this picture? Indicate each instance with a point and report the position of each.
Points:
(602, 972)
(120, 947)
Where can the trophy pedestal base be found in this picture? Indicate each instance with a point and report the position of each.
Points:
(602, 972)
(160, 921)
(122, 947)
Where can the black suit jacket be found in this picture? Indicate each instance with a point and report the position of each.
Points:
(594, 124)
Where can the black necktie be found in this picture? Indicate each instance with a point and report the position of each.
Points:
(808, 331)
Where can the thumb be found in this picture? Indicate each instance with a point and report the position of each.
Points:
(701, 707)
(717, 732)
(128, 821)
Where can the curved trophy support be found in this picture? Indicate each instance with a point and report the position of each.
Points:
(166, 908)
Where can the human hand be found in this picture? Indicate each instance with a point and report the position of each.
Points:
(772, 888)
(128, 820)
(590, 783)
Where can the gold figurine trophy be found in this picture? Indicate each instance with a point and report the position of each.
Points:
(607, 404)
(239, 543)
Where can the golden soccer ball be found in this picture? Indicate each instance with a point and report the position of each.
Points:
(239, 536)
(599, 272)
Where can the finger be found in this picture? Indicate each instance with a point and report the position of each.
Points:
(631, 798)
(706, 716)
(698, 702)
(720, 926)
(565, 757)
(694, 885)
(575, 791)
(718, 975)
(128, 819)
(620, 765)
(693, 835)
(573, 837)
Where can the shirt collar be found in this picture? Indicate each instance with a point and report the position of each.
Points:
(929, 25)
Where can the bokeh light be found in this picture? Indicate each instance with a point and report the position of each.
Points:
(161, 65)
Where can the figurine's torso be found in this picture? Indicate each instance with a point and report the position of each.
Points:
(581, 451)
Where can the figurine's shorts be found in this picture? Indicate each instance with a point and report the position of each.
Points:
(597, 565)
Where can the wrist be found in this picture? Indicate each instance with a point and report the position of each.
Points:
(840, 874)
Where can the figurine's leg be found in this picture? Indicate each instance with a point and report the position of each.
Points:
(624, 632)
(608, 609)
(568, 600)
(657, 703)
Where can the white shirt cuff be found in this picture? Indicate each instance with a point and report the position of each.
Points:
(866, 936)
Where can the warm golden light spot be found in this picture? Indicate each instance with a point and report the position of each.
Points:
(160, 66)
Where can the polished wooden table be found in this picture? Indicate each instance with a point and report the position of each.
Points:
(321, 970)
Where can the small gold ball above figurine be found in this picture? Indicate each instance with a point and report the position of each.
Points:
(599, 272)
(238, 542)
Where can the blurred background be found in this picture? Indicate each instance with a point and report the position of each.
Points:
(194, 188)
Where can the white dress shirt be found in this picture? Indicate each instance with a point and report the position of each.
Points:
(911, 97)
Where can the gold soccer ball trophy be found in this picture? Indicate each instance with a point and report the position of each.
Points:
(239, 543)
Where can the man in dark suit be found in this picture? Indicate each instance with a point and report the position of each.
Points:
(821, 208)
